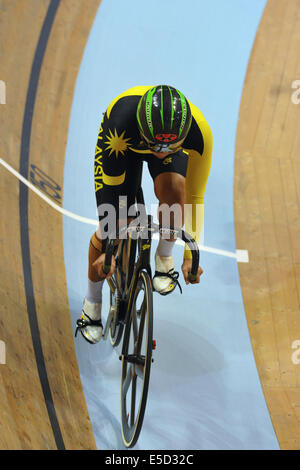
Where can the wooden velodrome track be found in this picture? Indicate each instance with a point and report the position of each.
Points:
(267, 211)
(42, 403)
(36, 414)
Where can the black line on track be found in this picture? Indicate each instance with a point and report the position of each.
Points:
(23, 208)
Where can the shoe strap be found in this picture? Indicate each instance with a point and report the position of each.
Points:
(174, 275)
(83, 322)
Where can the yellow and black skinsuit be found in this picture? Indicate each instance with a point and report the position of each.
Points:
(120, 154)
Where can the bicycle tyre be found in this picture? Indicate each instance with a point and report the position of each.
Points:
(143, 339)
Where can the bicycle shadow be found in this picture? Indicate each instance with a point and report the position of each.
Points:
(183, 352)
(106, 425)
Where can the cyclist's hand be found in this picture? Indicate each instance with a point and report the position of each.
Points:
(98, 265)
(186, 269)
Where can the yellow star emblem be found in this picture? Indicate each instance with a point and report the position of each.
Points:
(116, 143)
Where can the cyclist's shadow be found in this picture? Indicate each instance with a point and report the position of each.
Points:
(102, 395)
(99, 366)
(108, 434)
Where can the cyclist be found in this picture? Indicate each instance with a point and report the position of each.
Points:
(160, 126)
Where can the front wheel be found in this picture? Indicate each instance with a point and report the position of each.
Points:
(136, 360)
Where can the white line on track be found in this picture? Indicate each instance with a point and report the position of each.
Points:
(240, 255)
(47, 199)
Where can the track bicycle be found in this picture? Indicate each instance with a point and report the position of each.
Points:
(131, 312)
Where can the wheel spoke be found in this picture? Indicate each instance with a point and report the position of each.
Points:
(139, 371)
(141, 329)
(133, 399)
(128, 379)
(141, 309)
(134, 325)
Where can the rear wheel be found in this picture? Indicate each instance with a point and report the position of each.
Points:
(136, 361)
(116, 327)
(125, 262)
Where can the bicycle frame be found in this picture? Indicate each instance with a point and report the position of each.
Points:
(143, 262)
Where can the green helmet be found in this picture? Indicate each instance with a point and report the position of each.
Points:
(164, 118)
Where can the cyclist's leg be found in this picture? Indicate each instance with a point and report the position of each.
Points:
(168, 175)
(112, 193)
(115, 199)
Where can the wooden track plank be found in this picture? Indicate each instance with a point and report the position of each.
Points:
(282, 129)
(23, 413)
(267, 211)
(20, 388)
(50, 128)
(286, 423)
